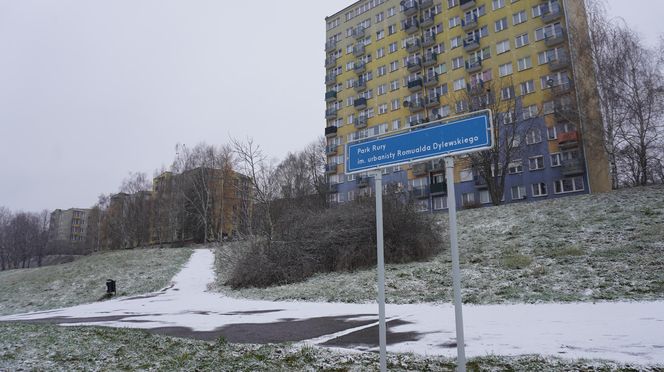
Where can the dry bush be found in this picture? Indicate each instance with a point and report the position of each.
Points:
(313, 240)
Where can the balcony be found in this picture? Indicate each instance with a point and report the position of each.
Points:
(415, 84)
(552, 14)
(360, 103)
(467, 4)
(426, 3)
(333, 188)
(430, 79)
(414, 64)
(430, 59)
(358, 50)
(438, 188)
(420, 192)
(360, 85)
(410, 7)
(416, 105)
(361, 122)
(568, 140)
(480, 182)
(331, 169)
(432, 101)
(360, 67)
(559, 64)
(420, 169)
(359, 33)
(471, 44)
(331, 96)
(562, 88)
(330, 62)
(330, 46)
(330, 79)
(572, 167)
(554, 39)
(415, 121)
(473, 65)
(411, 26)
(563, 113)
(426, 20)
(362, 181)
(330, 131)
(331, 150)
(470, 23)
(413, 45)
(331, 113)
(429, 39)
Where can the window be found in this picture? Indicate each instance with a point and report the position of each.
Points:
(459, 84)
(382, 108)
(393, 47)
(556, 160)
(519, 17)
(382, 89)
(456, 42)
(454, 22)
(394, 85)
(439, 202)
(380, 17)
(380, 53)
(485, 197)
(524, 63)
(521, 40)
(452, 3)
(502, 46)
(380, 34)
(396, 104)
(566, 185)
(539, 189)
(527, 87)
(498, 4)
(507, 93)
(515, 167)
(505, 69)
(530, 112)
(382, 70)
(392, 29)
(536, 163)
(394, 65)
(551, 133)
(466, 175)
(468, 198)
(392, 11)
(518, 192)
(501, 24)
(457, 63)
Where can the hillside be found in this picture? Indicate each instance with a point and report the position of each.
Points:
(578, 248)
(136, 271)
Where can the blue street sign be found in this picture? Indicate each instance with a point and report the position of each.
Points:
(426, 142)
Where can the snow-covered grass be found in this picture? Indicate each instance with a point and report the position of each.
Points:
(579, 248)
(52, 348)
(136, 271)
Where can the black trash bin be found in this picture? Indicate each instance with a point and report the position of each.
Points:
(110, 286)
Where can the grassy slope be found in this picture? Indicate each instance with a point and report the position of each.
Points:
(580, 248)
(136, 271)
(47, 347)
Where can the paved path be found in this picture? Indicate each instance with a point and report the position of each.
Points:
(629, 332)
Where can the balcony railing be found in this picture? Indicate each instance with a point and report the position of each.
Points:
(559, 64)
(568, 139)
(331, 96)
(467, 4)
(333, 188)
(360, 85)
(420, 169)
(361, 122)
(438, 188)
(554, 39)
(331, 168)
(359, 32)
(480, 182)
(420, 192)
(469, 23)
(562, 88)
(552, 14)
(360, 67)
(330, 62)
(430, 59)
(362, 181)
(410, 7)
(331, 113)
(572, 167)
(330, 79)
(416, 105)
(358, 50)
(360, 103)
(425, 3)
(426, 20)
(330, 131)
(412, 26)
(432, 101)
(430, 79)
(414, 64)
(429, 39)
(470, 44)
(415, 121)
(331, 150)
(330, 46)
(473, 65)
(415, 84)
(413, 45)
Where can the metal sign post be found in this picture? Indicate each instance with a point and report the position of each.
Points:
(456, 271)
(382, 332)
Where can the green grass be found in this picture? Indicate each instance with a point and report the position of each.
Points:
(52, 348)
(136, 271)
(577, 248)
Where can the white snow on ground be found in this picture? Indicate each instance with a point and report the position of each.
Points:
(630, 332)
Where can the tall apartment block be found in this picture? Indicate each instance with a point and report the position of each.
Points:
(391, 65)
(68, 225)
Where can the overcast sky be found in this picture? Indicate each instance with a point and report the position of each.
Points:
(91, 90)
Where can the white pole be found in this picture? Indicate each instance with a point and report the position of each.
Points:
(456, 272)
(382, 339)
